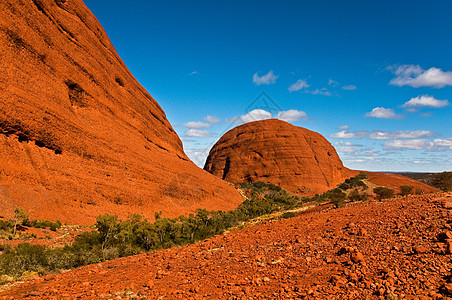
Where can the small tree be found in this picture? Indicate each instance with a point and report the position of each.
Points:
(19, 216)
(383, 192)
(406, 190)
(355, 195)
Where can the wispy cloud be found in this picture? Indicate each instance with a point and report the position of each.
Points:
(300, 84)
(342, 143)
(322, 91)
(292, 115)
(409, 144)
(268, 78)
(425, 101)
(194, 73)
(349, 87)
(345, 134)
(415, 76)
(443, 143)
(196, 125)
(383, 113)
(197, 133)
(347, 150)
(408, 134)
(333, 83)
(211, 119)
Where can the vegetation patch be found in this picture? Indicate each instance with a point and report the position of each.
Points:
(115, 238)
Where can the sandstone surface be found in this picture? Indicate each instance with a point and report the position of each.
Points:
(79, 136)
(272, 150)
(300, 160)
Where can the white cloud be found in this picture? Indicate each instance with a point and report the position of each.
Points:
(409, 144)
(343, 127)
(194, 73)
(408, 134)
(292, 115)
(349, 87)
(323, 92)
(342, 143)
(197, 125)
(298, 85)
(347, 150)
(419, 162)
(354, 160)
(426, 101)
(383, 113)
(197, 155)
(256, 115)
(415, 76)
(268, 78)
(333, 83)
(197, 133)
(211, 119)
(344, 134)
(443, 143)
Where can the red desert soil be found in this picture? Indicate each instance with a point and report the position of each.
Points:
(46, 237)
(298, 159)
(79, 136)
(397, 249)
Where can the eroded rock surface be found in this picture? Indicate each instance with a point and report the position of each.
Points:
(300, 160)
(275, 151)
(79, 136)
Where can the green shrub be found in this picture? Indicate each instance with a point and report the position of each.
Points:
(344, 186)
(6, 226)
(383, 192)
(406, 190)
(355, 195)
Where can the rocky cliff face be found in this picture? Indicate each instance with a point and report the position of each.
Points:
(295, 158)
(79, 135)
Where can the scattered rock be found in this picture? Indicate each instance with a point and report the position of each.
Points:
(420, 249)
(356, 257)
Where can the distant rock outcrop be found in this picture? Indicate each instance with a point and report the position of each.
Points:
(298, 159)
(295, 158)
(79, 136)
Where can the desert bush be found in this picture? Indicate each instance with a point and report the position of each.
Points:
(344, 186)
(355, 195)
(24, 257)
(6, 226)
(354, 182)
(406, 190)
(42, 224)
(383, 192)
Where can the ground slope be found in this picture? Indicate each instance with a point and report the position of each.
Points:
(79, 136)
(398, 249)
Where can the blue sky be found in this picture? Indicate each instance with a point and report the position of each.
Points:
(373, 77)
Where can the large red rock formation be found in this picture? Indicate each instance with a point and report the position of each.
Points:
(79, 136)
(295, 158)
(275, 151)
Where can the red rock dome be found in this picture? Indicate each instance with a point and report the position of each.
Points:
(79, 136)
(275, 151)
